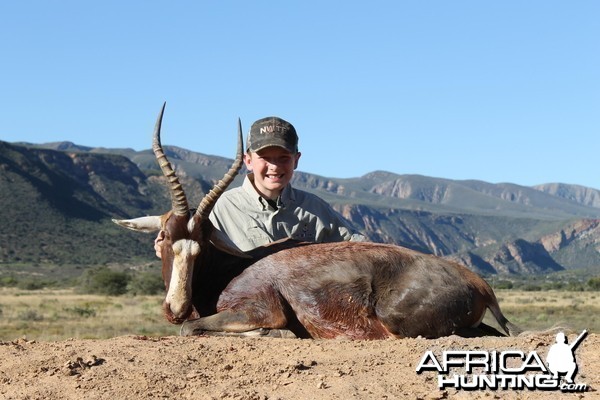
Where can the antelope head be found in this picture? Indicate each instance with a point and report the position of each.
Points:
(187, 231)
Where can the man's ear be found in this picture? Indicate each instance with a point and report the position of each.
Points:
(248, 161)
(298, 154)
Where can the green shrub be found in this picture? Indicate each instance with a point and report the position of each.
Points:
(30, 314)
(8, 281)
(553, 286)
(530, 287)
(146, 283)
(104, 281)
(594, 283)
(575, 287)
(503, 284)
(84, 312)
(30, 284)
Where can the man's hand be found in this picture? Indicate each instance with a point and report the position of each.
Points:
(158, 243)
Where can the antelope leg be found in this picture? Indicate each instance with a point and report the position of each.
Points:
(228, 323)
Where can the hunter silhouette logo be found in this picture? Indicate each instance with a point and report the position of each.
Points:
(561, 356)
(509, 369)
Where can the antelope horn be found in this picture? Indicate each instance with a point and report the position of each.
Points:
(208, 201)
(179, 202)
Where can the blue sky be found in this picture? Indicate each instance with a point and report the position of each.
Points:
(500, 91)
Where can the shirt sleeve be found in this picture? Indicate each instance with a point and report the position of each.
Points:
(358, 237)
(234, 221)
(341, 228)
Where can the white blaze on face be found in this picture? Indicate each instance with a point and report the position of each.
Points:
(179, 296)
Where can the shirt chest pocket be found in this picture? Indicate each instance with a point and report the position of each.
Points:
(305, 231)
(252, 238)
(257, 234)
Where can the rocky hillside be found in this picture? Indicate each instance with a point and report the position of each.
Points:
(579, 194)
(58, 200)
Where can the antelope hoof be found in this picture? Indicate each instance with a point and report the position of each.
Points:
(191, 328)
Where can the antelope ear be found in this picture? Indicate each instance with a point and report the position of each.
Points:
(223, 243)
(143, 224)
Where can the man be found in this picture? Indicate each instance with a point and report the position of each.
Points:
(266, 207)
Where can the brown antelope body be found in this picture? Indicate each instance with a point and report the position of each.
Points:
(352, 290)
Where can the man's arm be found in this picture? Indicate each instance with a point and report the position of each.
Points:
(358, 237)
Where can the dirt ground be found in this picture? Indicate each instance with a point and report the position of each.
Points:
(137, 367)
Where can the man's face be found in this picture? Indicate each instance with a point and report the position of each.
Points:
(273, 168)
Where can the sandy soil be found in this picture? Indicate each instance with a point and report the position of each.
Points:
(132, 367)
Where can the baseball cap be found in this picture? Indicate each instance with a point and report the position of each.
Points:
(272, 131)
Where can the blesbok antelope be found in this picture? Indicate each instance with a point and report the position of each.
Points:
(352, 290)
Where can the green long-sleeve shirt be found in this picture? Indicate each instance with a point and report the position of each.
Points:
(251, 221)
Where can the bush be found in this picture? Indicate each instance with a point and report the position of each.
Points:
(30, 284)
(30, 314)
(104, 281)
(554, 286)
(146, 283)
(8, 281)
(85, 312)
(575, 287)
(594, 283)
(530, 287)
(503, 284)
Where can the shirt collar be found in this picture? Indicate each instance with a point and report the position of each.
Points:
(249, 188)
(287, 195)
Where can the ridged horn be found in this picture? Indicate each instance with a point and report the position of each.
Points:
(208, 201)
(179, 203)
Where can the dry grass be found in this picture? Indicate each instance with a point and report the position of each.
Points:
(62, 314)
(548, 309)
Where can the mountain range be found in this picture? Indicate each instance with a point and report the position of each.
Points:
(58, 200)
